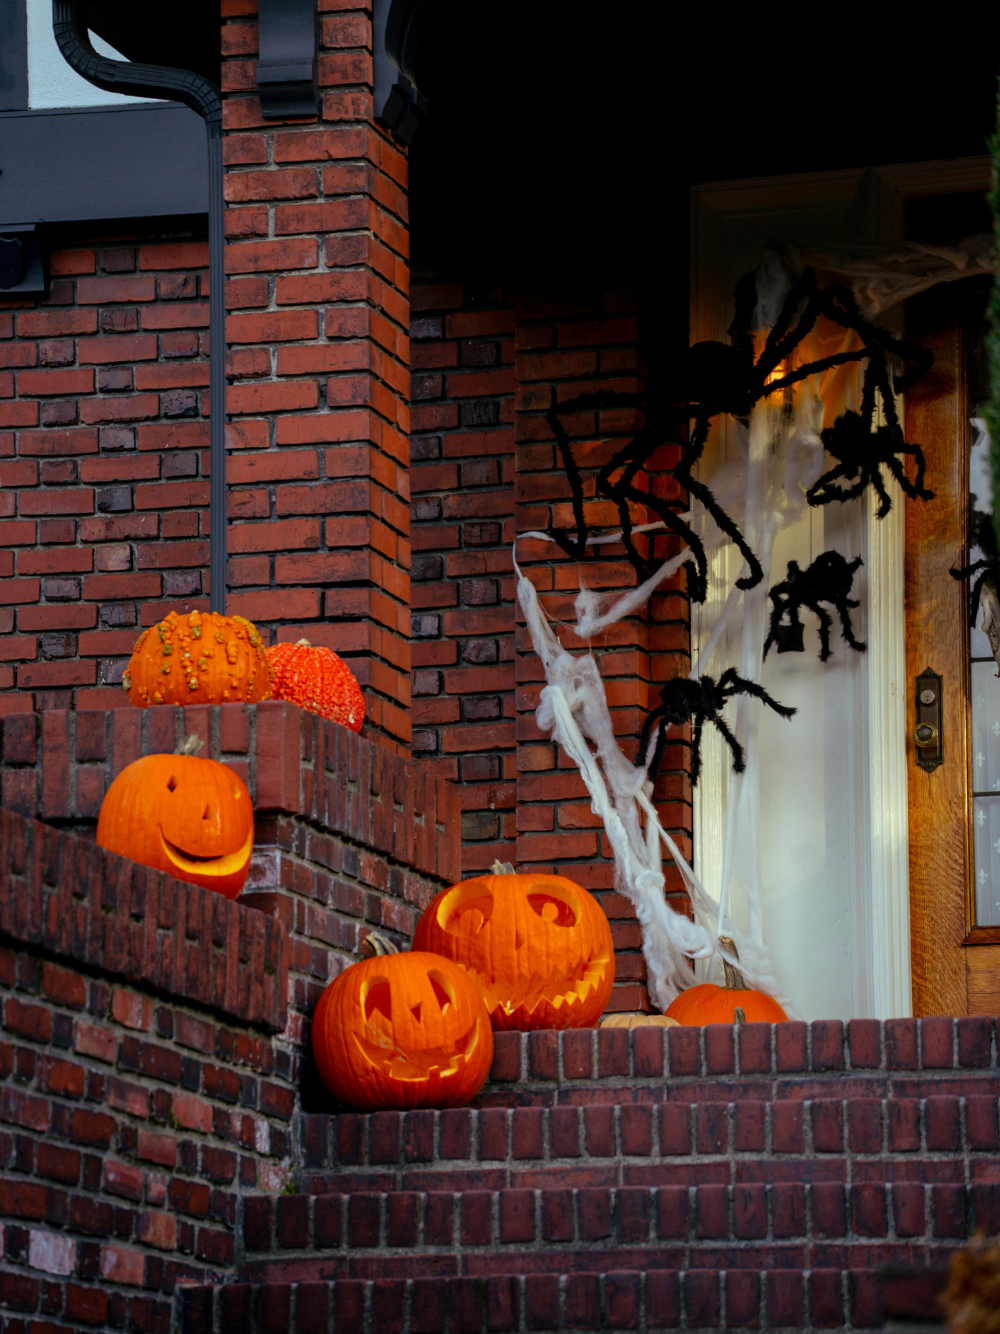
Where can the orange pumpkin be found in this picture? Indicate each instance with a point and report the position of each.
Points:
(538, 946)
(316, 679)
(400, 1031)
(638, 1021)
(189, 817)
(199, 658)
(730, 1004)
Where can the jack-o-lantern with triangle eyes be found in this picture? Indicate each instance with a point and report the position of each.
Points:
(538, 946)
(401, 1031)
(189, 817)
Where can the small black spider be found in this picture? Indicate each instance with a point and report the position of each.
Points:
(828, 579)
(860, 455)
(988, 567)
(700, 701)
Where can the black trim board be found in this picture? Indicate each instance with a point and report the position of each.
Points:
(13, 55)
(102, 162)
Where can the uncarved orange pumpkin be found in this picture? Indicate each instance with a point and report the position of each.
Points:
(712, 1004)
(538, 946)
(638, 1021)
(198, 658)
(316, 679)
(401, 1031)
(189, 817)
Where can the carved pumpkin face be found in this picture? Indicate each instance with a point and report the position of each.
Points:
(538, 946)
(188, 817)
(401, 1031)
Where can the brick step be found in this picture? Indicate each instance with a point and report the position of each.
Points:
(678, 1141)
(533, 1067)
(402, 1234)
(744, 1299)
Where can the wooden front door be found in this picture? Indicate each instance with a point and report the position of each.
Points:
(954, 818)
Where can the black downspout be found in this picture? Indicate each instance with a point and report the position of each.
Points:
(199, 93)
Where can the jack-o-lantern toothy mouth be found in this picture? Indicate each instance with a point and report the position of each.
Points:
(228, 863)
(564, 991)
(417, 1066)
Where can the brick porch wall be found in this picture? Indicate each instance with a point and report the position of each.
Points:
(487, 364)
(103, 462)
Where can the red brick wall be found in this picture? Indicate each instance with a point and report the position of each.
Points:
(568, 345)
(463, 526)
(319, 356)
(487, 365)
(103, 467)
(131, 1114)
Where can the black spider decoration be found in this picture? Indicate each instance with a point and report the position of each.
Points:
(828, 579)
(729, 378)
(861, 454)
(987, 567)
(700, 701)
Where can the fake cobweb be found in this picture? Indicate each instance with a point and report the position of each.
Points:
(779, 459)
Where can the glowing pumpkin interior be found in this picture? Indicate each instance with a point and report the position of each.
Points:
(400, 1031)
(538, 946)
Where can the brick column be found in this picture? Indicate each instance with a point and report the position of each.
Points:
(566, 347)
(318, 338)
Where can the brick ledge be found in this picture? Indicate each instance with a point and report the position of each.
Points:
(65, 895)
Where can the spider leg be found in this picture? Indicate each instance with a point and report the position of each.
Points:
(885, 502)
(736, 685)
(915, 489)
(739, 763)
(696, 726)
(842, 606)
(825, 622)
(652, 717)
(573, 546)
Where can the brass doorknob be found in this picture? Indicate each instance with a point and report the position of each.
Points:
(925, 735)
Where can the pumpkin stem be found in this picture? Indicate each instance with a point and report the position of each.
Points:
(190, 745)
(375, 944)
(502, 868)
(302, 643)
(734, 978)
(739, 1015)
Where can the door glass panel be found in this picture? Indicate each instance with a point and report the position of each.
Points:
(984, 693)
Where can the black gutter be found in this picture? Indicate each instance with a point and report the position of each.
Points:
(203, 96)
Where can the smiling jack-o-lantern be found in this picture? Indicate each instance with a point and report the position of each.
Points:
(401, 1031)
(538, 946)
(189, 817)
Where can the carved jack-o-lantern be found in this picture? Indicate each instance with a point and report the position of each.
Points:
(538, 946)
(189, 817)
(401, 1031)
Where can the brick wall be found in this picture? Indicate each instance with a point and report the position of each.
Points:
(318, 336)
(132, 1112)
(103, 467)
(463, 526)
(348, 835)
(153, 1047)
(487, 366)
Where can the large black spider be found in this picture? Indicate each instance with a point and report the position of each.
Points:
(828, 579)
(700, 701)
(988, 567)
(729, 378)
(861, 454)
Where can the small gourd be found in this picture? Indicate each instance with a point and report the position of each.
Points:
(316, 679)
(734, 1003)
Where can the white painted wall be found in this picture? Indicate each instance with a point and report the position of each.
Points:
(51, 82)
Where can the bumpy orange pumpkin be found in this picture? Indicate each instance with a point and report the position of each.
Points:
(189, 817)
(538, 946)
(401, 1031)
(199, 658)
(733, 1003)
(317, 679)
